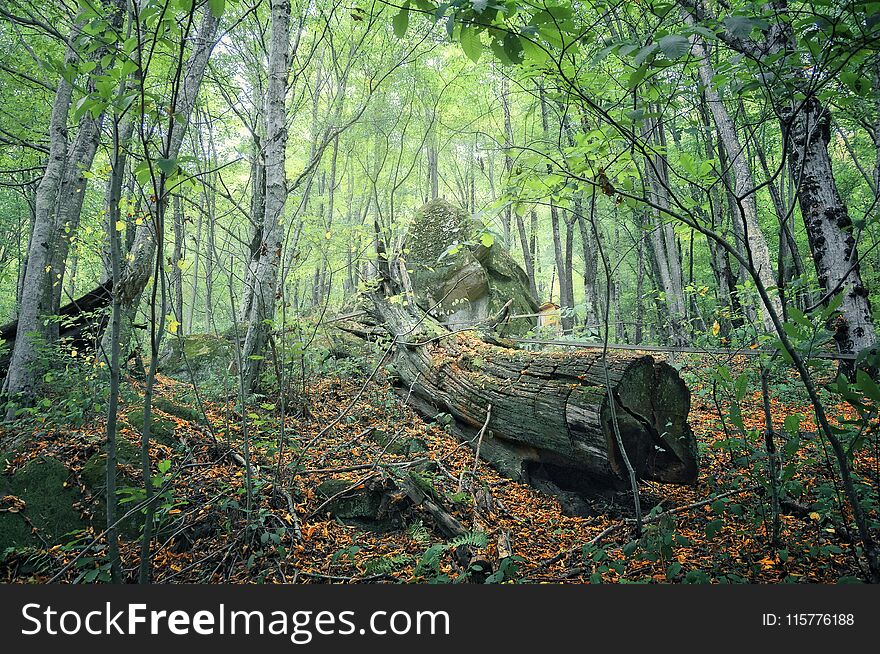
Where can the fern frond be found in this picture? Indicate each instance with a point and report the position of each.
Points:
(476, 539)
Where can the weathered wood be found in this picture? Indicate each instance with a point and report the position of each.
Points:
(549, 409)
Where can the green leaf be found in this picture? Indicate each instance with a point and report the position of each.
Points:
(645, 53)
(674, 46)
(740, 26)
(713, 528)
(637, 76)
(217, 7)
(400, 22)
(868, 386)
(858, 83)
(471, 43)
(167, 166)
(487, 239)
(513, 48)
(741, 387)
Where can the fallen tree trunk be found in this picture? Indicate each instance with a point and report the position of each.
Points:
(552, 412)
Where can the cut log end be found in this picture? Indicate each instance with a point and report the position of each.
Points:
(651, 409)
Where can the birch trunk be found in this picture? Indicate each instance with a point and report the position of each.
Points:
(745, 205)
(266, 273)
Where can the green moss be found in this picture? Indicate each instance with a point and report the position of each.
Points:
(401, 446)
(436, 225)
(361, 502)
(199, 356)
(49, 505)
(161, 429)
(94, 472)
(473, 282)
(94, 476)
(425, 485)
(190, 414)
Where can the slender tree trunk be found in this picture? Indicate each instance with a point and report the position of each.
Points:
(508, 168)
(136, 273)
(114, 197)
(527, 254)
(266, 274)
(177, 261)
(661, 237)
(197, 261)
(564, 274)
(745, 204)
(72, 191)
(640, 290)
(533, 251)
(257, 215)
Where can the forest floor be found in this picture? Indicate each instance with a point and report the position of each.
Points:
(715, 531)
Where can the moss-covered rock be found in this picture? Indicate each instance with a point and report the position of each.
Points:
(161, 428)
(94, 473)
(400, 445)
(364, 502)
(178, 410)
(49, 505)
(204, 357)
(456, 273)
(94, 477)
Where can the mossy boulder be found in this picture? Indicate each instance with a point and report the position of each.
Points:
(161, 428)
(50, 505)
(178, 410)
(94, 477)
(364, 502)
(93, 474)
(203, 357)
(401, 445)
(463, 274)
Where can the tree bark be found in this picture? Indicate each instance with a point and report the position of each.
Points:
(829, 228)
(266, 273)
(550, 411)
(36, 284)
(134, 277)
(560, 247)
(177, 261)
(661, 236)
(745, 205)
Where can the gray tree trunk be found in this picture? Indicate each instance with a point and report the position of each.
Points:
(661, 238)
(177, 261)
(266, 274)
(745, 206)
(560, 249)
(138, 269)
(21, 377)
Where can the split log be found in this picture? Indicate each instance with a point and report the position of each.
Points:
(552, 412)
